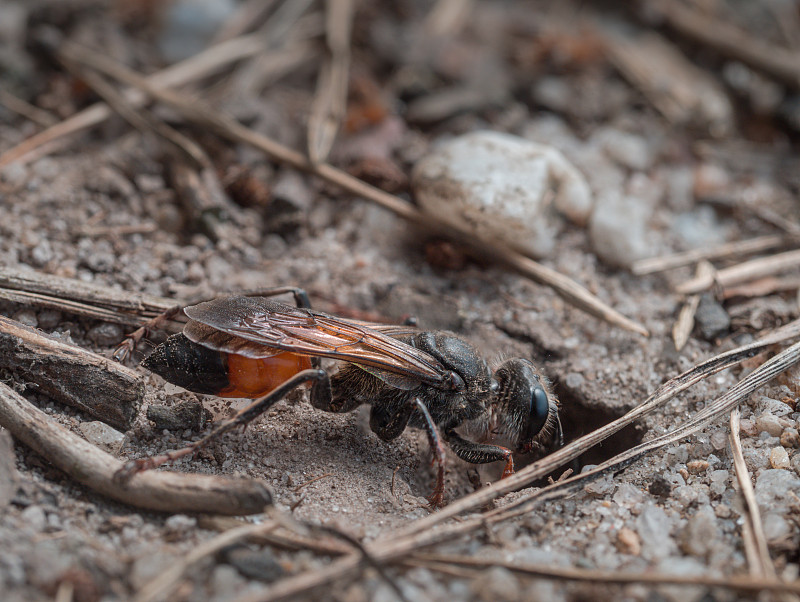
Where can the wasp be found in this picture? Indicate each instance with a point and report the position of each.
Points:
(256, 347)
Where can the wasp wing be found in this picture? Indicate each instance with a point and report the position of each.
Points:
(308, 332)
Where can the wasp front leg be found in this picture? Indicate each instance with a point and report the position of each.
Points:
(480, 453)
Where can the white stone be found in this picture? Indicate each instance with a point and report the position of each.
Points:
(503, 188)
(102, 435)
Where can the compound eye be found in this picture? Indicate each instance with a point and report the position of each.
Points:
(540, 409)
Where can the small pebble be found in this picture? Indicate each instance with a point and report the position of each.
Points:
(254, 564)
(660, 487)
(778, 458)
(697, 466)
(35, 518)
(701, 533)
(628, 542)
(102, 435)
(775, 526)
(178, 525)
(187, 414)
(768, 423)
(711, 319)
(600, 487)
(105, 334)
(719, 440)
(790, 438)
(654, 527)
(618, 229)
(748, 427)
(775, 488)
(496, 584)
(27, 317)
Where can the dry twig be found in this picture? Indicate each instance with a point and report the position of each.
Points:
(201, 65)
(90, 382)
(727, 250)
(743, 272)
(780, 63)
(28, 287)
(736, 583)
(94, 468)
(330, 101)
(755, 542)
(685, 322)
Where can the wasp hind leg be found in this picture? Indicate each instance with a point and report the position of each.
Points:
(389, 422)
(243, 417)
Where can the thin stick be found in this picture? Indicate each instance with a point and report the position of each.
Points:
(753, 531)
(330, 100)
(735, 582)
(199, 113)
(685, 322)
(755, 268)
(94, 468)
(200, 65)
(27, 110)
(731, 249)
(731, 41)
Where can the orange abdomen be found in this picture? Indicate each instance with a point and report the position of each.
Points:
(249, 377)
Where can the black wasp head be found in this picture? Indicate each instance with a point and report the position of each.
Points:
(525, 408)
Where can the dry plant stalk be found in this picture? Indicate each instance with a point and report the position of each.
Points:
(199, 113)
(755, 541)
(29, 287)
(69, 374)
(678, 89)
(743, 272)
(743, 584)
(94, 468)
(724, 251)
(781, 63)
(200, 65)
(685, 322)
(330, 101)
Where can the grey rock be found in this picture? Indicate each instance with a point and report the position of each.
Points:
(711, 319)
(253, 564)
(654, 527)
(774, 488)
(769, 423)
(187, 414)
(102, 435)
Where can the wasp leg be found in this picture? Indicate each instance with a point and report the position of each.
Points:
(243, 417)
(128, 346)
(480, 453)
(322, 398)
(388, 423)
